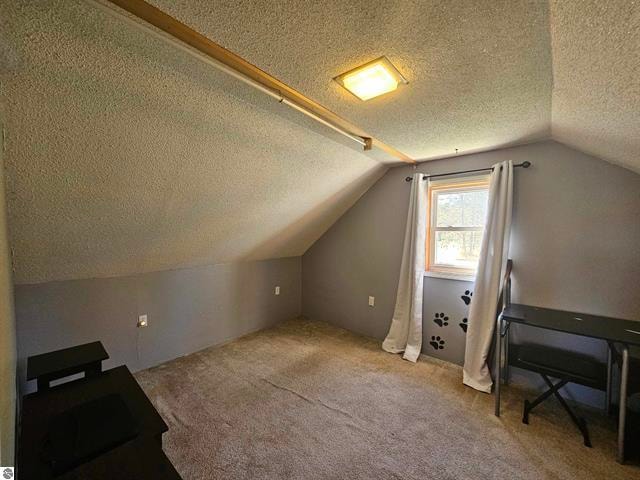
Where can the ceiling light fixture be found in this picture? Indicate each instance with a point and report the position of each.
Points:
(372, 79)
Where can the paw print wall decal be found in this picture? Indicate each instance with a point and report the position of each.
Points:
(466, 298)
(464, 324)
(437, 343)
(441, 320)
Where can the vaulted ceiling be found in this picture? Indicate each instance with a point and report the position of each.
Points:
(124, 154)
(596, 73)
(479, 72)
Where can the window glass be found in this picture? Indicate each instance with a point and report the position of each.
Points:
(458, 249)
(462, 209)
(458, 210)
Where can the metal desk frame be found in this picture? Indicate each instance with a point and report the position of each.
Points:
(502, 374)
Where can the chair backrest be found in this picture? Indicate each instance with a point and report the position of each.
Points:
(504, 300)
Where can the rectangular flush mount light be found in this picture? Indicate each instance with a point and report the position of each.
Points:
(372, 79)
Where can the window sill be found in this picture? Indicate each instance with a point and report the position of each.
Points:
(450, 276)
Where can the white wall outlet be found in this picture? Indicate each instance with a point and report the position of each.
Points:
(277, 291)
(372, 301)
(142, 321)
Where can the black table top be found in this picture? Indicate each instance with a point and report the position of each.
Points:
(149, 463)
(60, 360)
(40, 407)
(594, 326)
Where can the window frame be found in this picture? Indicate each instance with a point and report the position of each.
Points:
(460, 184)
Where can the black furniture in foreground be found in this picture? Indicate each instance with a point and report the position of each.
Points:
(50, 366)
(568, 367)
(612, 330)
(99, 427)
(139, 459)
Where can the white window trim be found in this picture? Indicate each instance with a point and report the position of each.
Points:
(450, 276)
(462, 184)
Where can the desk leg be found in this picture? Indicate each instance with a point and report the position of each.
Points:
(609, 392)
(622, 415)
(498, 376)
(507, 329)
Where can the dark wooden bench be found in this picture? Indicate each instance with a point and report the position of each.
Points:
(101, 426)
(567, 367)
(58, 364)
(138, 459)
(40, 408)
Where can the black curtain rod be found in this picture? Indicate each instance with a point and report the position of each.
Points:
(526, 164)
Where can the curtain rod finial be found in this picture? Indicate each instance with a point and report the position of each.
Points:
(408, 179)
(526, 164)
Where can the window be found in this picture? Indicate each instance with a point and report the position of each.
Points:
(457, 211)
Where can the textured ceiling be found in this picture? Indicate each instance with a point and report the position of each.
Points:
(479, 71)
(124, 155)
(596, 71)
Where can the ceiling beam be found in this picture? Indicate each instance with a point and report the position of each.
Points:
(178, 30)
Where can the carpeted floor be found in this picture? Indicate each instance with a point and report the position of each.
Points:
(306, 400)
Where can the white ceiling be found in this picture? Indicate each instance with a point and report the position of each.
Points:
(479, 71)
(126, 155)
(483, 74)
(596, 71)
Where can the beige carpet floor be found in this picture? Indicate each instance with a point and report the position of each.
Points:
(306, 400)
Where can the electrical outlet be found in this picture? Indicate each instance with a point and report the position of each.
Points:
(277, 292)
(372, 301)
(142, 321)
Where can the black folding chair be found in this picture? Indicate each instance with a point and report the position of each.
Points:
(567, 367)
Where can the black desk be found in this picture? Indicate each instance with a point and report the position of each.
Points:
(40, 407)
(612, 330)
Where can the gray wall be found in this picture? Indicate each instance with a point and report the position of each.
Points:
(575, 245)
(7, 335)
(188, 310)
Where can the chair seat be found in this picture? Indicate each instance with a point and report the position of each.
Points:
(553, 362)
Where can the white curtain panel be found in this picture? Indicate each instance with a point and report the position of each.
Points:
(405, 333)
(491, 268)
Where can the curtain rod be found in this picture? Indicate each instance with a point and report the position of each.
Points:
(525, 164)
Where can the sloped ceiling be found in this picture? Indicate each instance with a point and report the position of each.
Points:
(479, 71)
(483, 74)
(126, 155)
(596, 71)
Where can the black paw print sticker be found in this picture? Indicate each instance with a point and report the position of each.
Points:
(441, 320)
(437, 343)
(464, 324)
(466, 298)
